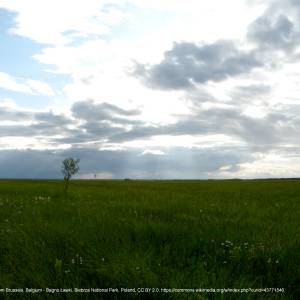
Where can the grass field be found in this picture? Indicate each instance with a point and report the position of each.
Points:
(159, 234)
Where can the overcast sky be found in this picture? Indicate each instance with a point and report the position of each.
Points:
(150, 88)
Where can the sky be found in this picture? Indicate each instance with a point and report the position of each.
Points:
(150, 89)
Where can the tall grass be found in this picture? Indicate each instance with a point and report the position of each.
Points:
(162, 234)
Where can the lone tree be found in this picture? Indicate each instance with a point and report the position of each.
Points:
(70, 166)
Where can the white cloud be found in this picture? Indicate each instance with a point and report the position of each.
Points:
(83, 40)
(60, 22)
(153, 152)
(102, 63)
(82, 58)
(27, 86)
(39, 87)
(8, 82)
(280, 167)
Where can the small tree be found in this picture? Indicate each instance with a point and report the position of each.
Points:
(70, 166)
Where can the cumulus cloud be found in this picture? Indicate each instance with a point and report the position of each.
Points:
(278, 33)
(205, 92)
(187, 64)
(278, 28)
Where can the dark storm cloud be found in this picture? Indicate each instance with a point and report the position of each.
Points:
(177, 163)
(189, 63)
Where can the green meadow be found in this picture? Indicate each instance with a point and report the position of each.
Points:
(150, 234)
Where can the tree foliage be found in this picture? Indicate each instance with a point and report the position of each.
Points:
(70, 167)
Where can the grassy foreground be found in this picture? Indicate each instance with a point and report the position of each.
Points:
(160, 234)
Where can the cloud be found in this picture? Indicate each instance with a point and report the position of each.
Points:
(8, 113)
(268, 131)
(19, 122)
(98, 122)
(87, 122)
(250, 92)
(9, 83)
(226, 91)
(22, 85)
(104, 119)
(81, 58)
(153, 152)
(90, 110)
(97, 125)
(277, 29)
(177, 163)
(92, 126)
(274, 33)
(47, 23)
(39, 87)
(29, 164)
(188, 64)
